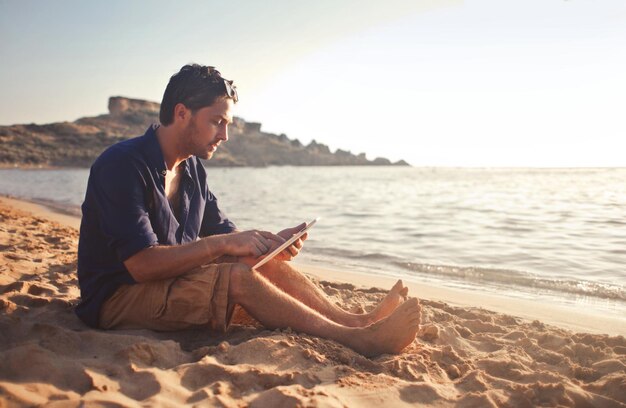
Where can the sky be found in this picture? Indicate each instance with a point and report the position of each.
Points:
(485, 83)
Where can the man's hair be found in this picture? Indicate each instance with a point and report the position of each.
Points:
(195, 86)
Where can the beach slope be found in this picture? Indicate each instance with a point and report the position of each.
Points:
(463, 356)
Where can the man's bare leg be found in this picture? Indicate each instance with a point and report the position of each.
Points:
(276, 309)
(294, 283)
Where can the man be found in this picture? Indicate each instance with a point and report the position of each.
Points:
(156, 251)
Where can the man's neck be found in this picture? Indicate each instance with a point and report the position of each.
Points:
(170, 147)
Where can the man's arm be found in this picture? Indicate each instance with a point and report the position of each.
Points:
(162, 262)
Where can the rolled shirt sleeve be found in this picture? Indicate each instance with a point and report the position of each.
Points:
(214, 221)
(119, 189)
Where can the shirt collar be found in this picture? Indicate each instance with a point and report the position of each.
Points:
(155, 154)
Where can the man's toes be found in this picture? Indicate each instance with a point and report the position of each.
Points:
(398, 285)
(416, 317)
(404, 292)
(408, 307)
(418, 311)
(412, 303)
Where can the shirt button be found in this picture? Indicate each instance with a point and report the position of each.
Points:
(164, 173)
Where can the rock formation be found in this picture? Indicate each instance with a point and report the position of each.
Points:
(77, 144)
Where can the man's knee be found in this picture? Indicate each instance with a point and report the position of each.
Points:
(277, 271)
(243, 280)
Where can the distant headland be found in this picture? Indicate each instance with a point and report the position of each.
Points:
(77, 144)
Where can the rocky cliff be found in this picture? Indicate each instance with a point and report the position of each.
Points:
(78, 143)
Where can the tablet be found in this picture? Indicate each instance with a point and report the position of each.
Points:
(285, 244)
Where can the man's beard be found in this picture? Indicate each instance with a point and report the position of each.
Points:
(197, 150)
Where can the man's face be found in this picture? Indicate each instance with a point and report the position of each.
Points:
(207, 128)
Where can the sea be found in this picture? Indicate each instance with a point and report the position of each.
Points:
(551, 235)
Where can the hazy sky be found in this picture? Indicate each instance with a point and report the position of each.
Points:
(439, 82)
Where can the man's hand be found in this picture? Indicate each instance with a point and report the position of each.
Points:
(288, 254)
(294, 249)
(252, 244)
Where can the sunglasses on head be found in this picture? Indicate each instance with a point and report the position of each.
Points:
(231, 90)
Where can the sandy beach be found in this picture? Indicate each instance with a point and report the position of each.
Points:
(464, 355)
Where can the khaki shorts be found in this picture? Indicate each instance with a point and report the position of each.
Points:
(199, 298)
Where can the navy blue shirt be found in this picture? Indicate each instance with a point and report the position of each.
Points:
(126, 210)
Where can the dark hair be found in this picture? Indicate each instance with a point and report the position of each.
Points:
(195, 86)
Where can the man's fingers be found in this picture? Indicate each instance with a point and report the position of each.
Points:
(259, 249)
(264, 242)
(290, 232)
(298, 243)
(272, 237)
(287, 254)
(296, 229)
(264, 245)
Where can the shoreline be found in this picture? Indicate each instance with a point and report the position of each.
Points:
(44, 210)
(574, 317)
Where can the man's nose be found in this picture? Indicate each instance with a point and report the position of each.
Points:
(224, 133)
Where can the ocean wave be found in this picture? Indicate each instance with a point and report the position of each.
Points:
(350, 254)
(509, 277)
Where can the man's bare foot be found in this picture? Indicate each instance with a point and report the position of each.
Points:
(391, 334)
(396, 296)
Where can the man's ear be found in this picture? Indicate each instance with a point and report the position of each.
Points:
(181, 113)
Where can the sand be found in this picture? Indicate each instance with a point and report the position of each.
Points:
(463, 356)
